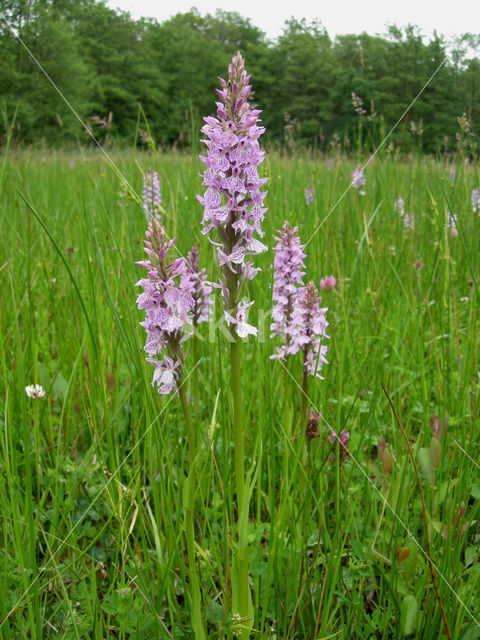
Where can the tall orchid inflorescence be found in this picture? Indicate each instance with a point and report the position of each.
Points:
(168, 302)
(311, 329)
(289, 269)
(297, 316)
(152, 199)
(233, 200)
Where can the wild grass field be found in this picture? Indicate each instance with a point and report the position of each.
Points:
(92, 476)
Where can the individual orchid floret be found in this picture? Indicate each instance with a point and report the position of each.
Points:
(328, 282)
(152, 199)
(311, 325)
(309, 194)
(233, 200)
(35, 391)
(358, 179)
(289, 269)
(168, 303)
(476, 200)
(195, 280)
(239, 321)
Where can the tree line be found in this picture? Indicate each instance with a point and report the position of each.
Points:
(125, 76)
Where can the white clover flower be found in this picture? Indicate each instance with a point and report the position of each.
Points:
(35, 391)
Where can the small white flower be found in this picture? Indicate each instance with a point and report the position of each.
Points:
(35, 391)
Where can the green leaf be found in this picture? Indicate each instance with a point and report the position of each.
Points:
(426, 464)
(409, 615)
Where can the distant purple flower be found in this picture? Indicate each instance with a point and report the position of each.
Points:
(168, 302)
(399, 205)
(233, 200)
(309, 194)
(72, 164)
(452, 223)
(453, 175)
(409, 222)
(152, 199)
(289, 269)
(358, 179)
(329, 164)
(476, 200)
(343, 438)
(328, 282)
(199, 288)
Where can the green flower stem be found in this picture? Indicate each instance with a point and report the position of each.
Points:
(242, 492)
(197, 623)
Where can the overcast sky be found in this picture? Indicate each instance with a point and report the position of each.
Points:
(338, 16)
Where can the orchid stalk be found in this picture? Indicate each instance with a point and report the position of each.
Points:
(233, 212)
(201, 306)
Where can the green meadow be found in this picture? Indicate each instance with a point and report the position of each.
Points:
(380, 541)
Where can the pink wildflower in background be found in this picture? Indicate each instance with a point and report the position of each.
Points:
(358, 179)
(233, 200)
(329, 164)
(343, 438)
(399, 206)
(453, 175)
(409, 222)
(152, 198)
(328, 282)
(309, 194)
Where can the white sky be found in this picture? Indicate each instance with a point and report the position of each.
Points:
(338, 16)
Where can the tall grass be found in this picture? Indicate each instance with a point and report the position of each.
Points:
(92, 477)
